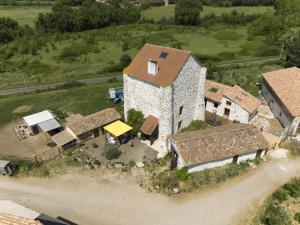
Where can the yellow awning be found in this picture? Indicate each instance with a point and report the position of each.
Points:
(117, 128)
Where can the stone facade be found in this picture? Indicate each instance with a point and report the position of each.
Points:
(290, 124)
(176, 105)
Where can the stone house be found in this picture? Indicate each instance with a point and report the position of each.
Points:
(167, 85)
(217, 146)
(233, 103)
(281, 90)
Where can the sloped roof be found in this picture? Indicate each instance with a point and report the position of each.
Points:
(215, 91)
(242, 98)
(37, 118)
(218, 143)
(169, 67)
(62, 138)
(93, 121)
(149, 125)
(10, 207)
(286, 85)
(49, 125)
(9, 219)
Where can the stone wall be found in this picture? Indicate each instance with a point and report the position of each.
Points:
(189, 91)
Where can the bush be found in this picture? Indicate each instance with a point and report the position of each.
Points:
(297, 217)
(125, 60)
(196, 125)
(280, 195)
(275, 215)
(293, 187)
(181, 174)
(135, 119)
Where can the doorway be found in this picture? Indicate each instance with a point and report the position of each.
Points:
(227, 112)
(96, 133)
(235, 159)
(258, 154)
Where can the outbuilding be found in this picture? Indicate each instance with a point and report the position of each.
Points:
(217, 146)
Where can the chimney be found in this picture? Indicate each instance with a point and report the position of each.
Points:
(166, 2)
(152, 67)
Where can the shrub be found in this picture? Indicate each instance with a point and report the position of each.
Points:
(293, 187)
(181, 174)
(135, 119)
(275, 215)
(196, 125)
(297, 217)
(280, 195)
(125, 60)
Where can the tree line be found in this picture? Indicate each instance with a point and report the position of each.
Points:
(90, 15)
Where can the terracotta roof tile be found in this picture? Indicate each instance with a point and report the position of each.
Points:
(242, 98)
(218, 142)
(93, 121)
(169, 67)
(214, 90)
(286, 84)
(149, 125)
(8, 219)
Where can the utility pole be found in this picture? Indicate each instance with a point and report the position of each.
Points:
(25, 83)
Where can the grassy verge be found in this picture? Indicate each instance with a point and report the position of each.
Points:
(282, 207)
(84, 100)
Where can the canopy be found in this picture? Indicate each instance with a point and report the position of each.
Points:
(117, 128)
(49, 125)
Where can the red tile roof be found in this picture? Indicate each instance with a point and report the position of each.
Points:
(169, 67)
(149, 125)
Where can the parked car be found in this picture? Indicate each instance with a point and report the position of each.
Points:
(6, 168)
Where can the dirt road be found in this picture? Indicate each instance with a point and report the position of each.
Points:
(115, 199)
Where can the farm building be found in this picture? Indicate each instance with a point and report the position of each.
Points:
(167, 85)
(91, 125)
(281, 90)
(233, 103)
(42, 122)
(217, 146)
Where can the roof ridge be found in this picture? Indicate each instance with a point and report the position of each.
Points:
(219, 132)
(170, 48)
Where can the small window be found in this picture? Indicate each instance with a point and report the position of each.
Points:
(216, 105)
(213, 90)
(228, 103)
(179, 125)
(180, 110)
(280, 114)
(163, 55)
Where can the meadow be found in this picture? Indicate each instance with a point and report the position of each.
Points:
(24, 15)
(84, 100)
(157, 13)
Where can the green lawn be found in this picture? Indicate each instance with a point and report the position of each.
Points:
(158, 13)
(25, 14)
(84, 100)
(43, 67)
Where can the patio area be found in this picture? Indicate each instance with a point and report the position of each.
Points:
(139, 152)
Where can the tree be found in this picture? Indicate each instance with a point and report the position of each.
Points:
(9, 29)
(125, 60)
(293, 56)
(187, 12)
(135, 119)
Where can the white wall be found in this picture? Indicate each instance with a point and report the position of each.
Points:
(189, 91)
(236, 112)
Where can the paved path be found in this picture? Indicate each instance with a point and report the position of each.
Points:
(115, 200)
(53, 85)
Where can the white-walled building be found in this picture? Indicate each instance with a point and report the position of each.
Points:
(233, 103)
(167, 85)
(281, 90)
(217, 146)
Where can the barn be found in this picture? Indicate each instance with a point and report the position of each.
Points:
(217, 146)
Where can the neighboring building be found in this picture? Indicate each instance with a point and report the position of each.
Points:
(281, 90)
(8, 219)
(217, 146)
(42, 122)
(233, 103)
(89, 126)
(167, 85)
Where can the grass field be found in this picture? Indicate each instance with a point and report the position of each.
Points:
(44, 67)
(84, 100)
(158, 13)
(24, 15)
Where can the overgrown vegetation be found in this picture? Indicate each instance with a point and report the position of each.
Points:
(196, 125)
(135, 119)
(277, 209)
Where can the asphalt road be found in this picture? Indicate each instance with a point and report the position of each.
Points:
(114, 199)
(53, 86)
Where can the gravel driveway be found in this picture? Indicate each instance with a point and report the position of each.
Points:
(115, 199)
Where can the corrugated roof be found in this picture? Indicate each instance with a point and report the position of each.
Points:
(49, 125)
(286, 84)
(93, 121)
(8, 219)
(149, 125)
(169, 66)
(215, 91)
(218, 142)
(62, 138)
(242, 98)
(37, 118)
